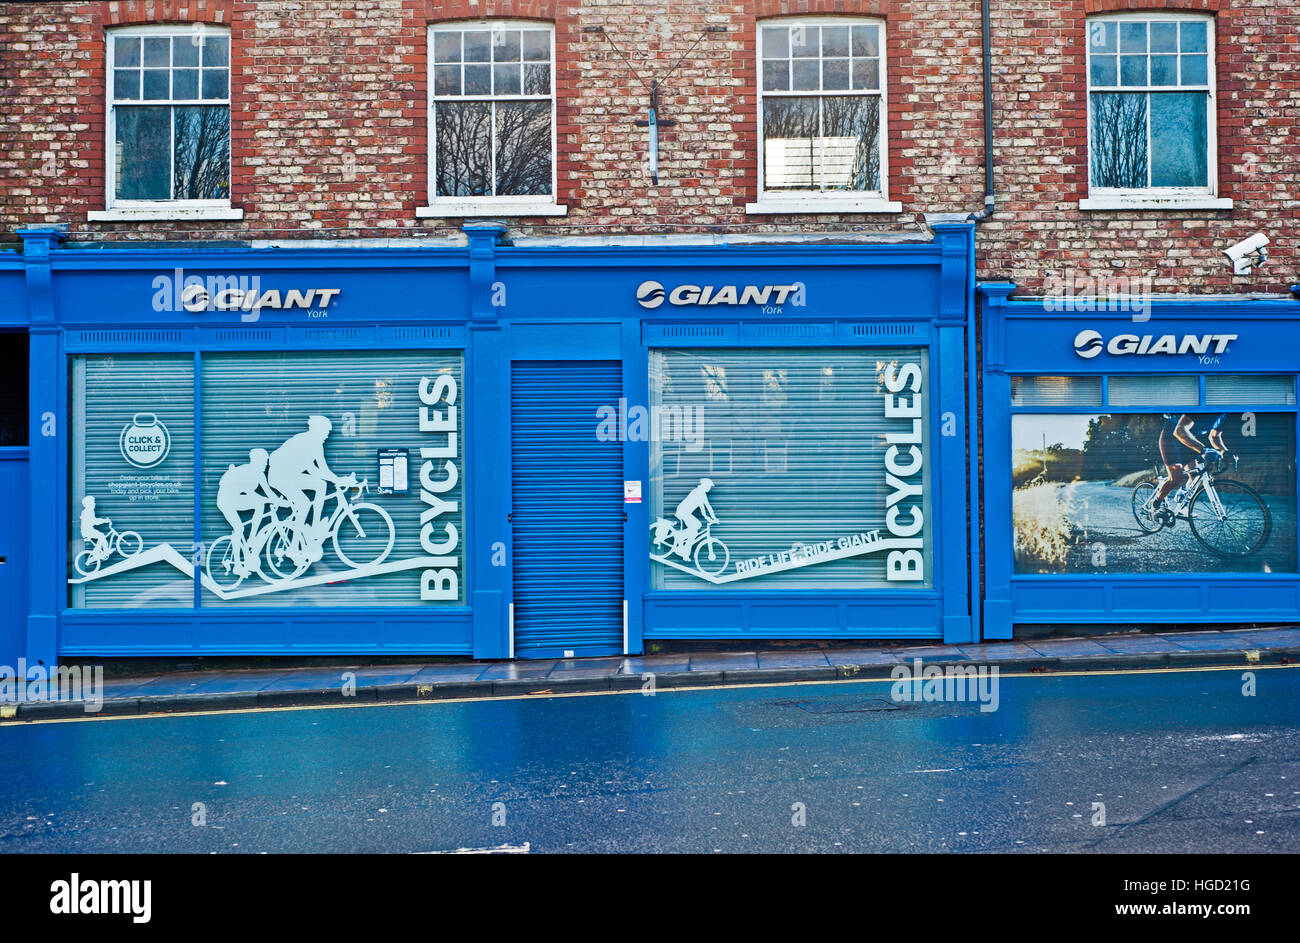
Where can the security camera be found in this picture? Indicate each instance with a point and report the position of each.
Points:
(1248, 254)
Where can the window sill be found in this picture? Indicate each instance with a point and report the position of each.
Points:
(179, 212)
(444, 209)
(848, 204)
(1116, 203)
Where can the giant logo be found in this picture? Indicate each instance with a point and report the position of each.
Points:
(1089, 343)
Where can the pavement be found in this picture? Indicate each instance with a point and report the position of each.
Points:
(250, 689)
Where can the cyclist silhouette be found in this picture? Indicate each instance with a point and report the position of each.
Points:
(696, 501)
(90, 531)
(299, 467)
(245, 488)
(1179, 446)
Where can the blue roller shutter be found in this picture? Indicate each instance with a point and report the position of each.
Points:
(567, 510)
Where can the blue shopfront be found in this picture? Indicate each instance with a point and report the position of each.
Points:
(484, 449)
(1089, 404)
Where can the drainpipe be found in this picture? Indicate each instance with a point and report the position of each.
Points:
(989, 200)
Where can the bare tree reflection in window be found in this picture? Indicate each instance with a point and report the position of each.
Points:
(1119, 140)
(463, 135)
(523, 163)
(202, 149)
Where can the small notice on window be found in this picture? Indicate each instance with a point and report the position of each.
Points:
(631, 492)
(392, 471)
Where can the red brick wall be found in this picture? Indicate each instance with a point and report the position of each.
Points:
(1041, 133)
(329, 125)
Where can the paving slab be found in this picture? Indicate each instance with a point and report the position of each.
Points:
(793, 660)
(640, 664)
(1207, 641)
(1137, 644)
(723, 661)
(1057, 648)
(511, 670)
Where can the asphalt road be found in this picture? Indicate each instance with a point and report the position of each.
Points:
(1103, 513)
(1182, 761)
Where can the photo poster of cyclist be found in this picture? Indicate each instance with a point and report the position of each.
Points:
(1085, 490)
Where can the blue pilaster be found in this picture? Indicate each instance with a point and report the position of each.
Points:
(48, 444)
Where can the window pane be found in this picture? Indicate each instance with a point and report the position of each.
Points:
(1133, 70)
(537, 78)
(1193, 37)
(805, 40)
(1103, 36)
(380, 391)
(202, 153)
(1133, 37)
(1104, 70)
(156, 84)
(1164, 70)
(792, 442)
(215, 83)
(866, 41)
(807, 75)
(1174, 390)
(1247, 390)
(143, 158)
(776, 76)
(505, 45)
(851, 159)
(185, 83)
(185, 51)
(835, 41)
(835, 73)
(1178, 140)
(446, 46)
(131, 482)
(776, 42)
(157, 51)
(523, 148)
(1118, 140)
(1056, 391)
(866, 73)
(478, 46)
(1195, 71)
(1164, 37)
(446, 80)
(537, 45)
(463, 145)
(789, 136)
(126, 84)
(478, 79)
(14, 396)
(506, 79)
(126, 51)
(216, 50)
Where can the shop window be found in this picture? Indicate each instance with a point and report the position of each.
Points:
(169, 119)
(828, 493)
(822, 116)
(1151, 125)
(131, 478)
(13, 390)
(325, 479)
(1247, 390)
(1158, 390)
(492, 119)
(1056, 391)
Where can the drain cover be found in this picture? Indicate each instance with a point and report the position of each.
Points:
(847, 705)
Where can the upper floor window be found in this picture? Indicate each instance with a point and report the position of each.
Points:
(821, 115)
(168, 117)
(492, 119)
(1151, 109)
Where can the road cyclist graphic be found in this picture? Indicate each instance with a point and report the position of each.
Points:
(1228, 517)
(689, 537)
(286, 492)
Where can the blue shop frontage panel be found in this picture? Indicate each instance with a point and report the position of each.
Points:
(1139, 460)
(486, 450)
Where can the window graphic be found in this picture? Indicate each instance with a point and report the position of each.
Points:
(825, 489)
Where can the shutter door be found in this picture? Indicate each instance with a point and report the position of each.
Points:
(567, 510)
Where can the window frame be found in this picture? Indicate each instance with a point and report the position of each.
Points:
(470, 206)
(124, 210)
(1169, 198)
(823, 201)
